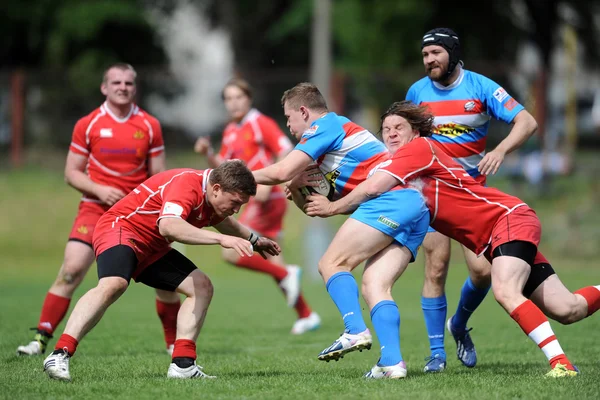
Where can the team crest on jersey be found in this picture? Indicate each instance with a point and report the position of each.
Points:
(83, 230)
(138, 135)
(469, 106)
(310, 131)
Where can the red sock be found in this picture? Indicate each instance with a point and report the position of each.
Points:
(591, 294)
(167, 312)
(257, 263)
(53, 311)
(535, 325)
(302, 308)
(68, 343)
(184, 348)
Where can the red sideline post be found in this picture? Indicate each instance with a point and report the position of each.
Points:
(17, 84)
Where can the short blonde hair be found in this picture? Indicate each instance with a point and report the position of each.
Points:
(304, 94)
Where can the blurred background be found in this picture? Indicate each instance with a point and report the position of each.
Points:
(363, 54)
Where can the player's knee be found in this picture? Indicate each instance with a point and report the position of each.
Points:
(203, 287)
(112, 287)
(503, 294)
(71, 273)
(436, 270)
(480, 278)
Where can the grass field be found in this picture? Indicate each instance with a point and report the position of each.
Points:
(245, 341)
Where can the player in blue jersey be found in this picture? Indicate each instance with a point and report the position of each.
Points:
(463, 103)
(386, 231)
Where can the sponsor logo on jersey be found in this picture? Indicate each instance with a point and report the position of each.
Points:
(469, 106)
(138, 135)
(500, 94)
(122, 150)
(388, 222)
(106, 133)
(452, 129)
(83, 230)
(511, 104)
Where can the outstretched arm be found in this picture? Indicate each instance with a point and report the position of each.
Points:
(284, 170)
(380, 182)
(524, 126)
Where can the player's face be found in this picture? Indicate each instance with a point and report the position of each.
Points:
(436, 60)
(297, 120)
(236, 102)
(119, 86)
(396, 132)
(226, 204)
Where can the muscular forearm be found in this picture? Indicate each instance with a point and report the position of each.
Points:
(178, 230)
(80, 181)
(272, 175)
(231, 227)
(522, 130)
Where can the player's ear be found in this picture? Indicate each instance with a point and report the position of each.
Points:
(216, 188)
(104, 88)
(304, 112)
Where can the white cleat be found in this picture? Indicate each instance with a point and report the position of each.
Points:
(303, 325)
(191, 372)
(291, 284)
(397, 371)
(57, 366)
(170, 349)
(347, 343)
(34, 348)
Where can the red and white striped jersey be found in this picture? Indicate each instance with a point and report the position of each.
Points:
(176, 193)
(256, 140)
(461, 208)
(117, 148)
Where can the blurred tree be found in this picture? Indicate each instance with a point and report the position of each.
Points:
(81, 36)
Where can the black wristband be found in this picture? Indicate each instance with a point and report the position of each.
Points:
(253, 239)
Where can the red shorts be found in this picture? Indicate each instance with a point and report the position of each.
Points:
(106, 237)
(523, 225)
(85, 222)
(266, 218)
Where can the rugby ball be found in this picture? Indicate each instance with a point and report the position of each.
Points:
(325, 188)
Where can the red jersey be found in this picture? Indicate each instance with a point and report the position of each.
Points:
(460, 207)
(117, 149)
(256, 140)
(176, 193)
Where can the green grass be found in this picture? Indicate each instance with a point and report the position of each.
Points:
(245, 340)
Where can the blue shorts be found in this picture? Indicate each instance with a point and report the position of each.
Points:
(400, 214)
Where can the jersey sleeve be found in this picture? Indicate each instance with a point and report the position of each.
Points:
(273, 138)
(411, 95)
(316, 141)
(79, 144)
(410, 161)
(500, 104)
(157, 144)
(180, 197)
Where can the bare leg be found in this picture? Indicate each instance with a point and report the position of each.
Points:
(91, 307)
(199, 291)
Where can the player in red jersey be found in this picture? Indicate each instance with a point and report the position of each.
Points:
(113, 149)
(257, 139)
(132, 240)
(489, 222)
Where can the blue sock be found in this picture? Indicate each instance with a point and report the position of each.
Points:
(386, 321)
(434, 310)
(470, 298)
(343, 290)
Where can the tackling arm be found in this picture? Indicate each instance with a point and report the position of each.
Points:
(379, 183)
(284, 170)
(524, 126)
